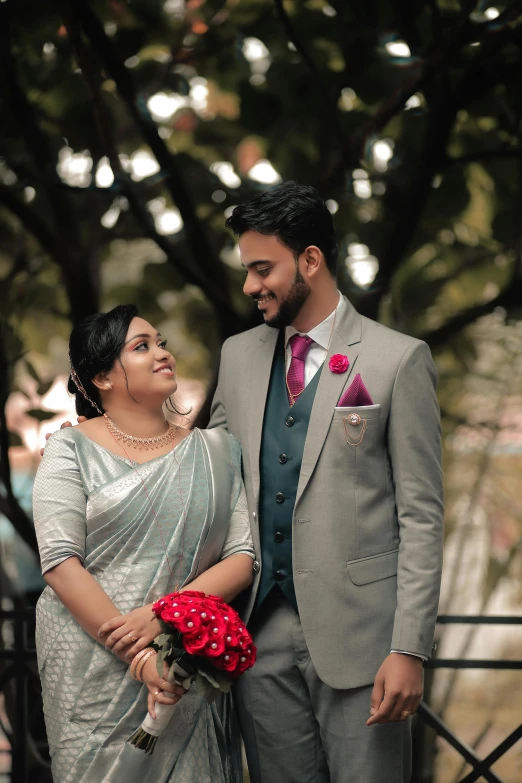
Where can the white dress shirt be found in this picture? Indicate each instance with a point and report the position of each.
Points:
(320, 335)
(315, 357)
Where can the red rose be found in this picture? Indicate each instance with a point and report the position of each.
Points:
(216, 627)
(231, 638)
(214, 647)
(228, 661)
(190, 594)
(194, 643)
(338, 363)
(190, 622)
(243, 664)
(174, 615)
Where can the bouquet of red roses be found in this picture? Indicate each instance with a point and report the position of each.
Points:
(204, 642)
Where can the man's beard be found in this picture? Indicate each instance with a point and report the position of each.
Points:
(291, 303)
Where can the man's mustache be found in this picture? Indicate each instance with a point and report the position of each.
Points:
(255, 297)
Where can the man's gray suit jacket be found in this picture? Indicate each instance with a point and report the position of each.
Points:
(368, 519)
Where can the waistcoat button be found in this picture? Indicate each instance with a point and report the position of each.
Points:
(279, 575)
(289, 421)
(278, 537)
(280, 497)
(283, 458)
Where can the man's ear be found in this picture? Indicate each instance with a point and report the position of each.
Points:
(313, 259)
(102, 382)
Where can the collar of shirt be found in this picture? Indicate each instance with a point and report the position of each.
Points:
(320, 334)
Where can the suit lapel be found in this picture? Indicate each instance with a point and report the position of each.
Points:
(261, 369)
(345, 340)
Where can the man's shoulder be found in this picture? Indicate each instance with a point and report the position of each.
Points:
(248, 338)
(386, 337)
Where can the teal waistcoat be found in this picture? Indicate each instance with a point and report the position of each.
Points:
(282, 445)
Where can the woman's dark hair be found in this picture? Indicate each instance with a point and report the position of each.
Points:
(94, 346)
(295, 214)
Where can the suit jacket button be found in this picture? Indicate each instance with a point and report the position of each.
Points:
(289, 421)
(279, 576)
(278, 537)
(283, 458)
(256, 567)
(280, 497)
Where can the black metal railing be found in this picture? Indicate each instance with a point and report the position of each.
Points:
(22, 718)
(480, 767)
(20, 686)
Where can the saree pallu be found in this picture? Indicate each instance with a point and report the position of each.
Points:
(92, 504)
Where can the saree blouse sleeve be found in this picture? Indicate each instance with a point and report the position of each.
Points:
(59, 503)
(239, 537)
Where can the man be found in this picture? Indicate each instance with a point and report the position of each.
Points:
(342, 467)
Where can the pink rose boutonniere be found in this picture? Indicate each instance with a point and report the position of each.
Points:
(338, 363)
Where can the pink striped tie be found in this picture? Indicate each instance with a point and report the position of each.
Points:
(296, 372)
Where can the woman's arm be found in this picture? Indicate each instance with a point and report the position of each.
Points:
(227, 579)
(81, 594)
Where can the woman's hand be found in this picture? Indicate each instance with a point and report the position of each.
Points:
(130, 632)
(159, 689)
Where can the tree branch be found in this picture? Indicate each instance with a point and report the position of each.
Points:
(324, 91)
(79, 284)
(507, 153)
(9, 505)
(210, 265)
(508, 299)
(126, 185)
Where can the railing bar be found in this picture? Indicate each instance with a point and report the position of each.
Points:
(494, 756)
(6, 676)
(479, 619)
(13, 655)
(433, 720)
(19, 756)
(471, 663)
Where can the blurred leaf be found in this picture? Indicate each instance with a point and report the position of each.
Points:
(15, 439)
(41, 415)
(43, 388)
(32, 372)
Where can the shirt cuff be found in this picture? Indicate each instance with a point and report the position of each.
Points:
(407, 652)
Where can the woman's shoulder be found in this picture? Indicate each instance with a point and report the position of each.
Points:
(61, 445)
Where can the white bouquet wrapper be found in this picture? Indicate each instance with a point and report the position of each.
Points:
(156, 726)
(146, 736)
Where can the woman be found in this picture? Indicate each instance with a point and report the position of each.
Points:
(129, 507)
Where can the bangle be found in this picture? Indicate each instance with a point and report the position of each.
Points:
(135, 663)
(141, 664)
(144, 656)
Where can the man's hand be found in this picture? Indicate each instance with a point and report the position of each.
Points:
(65, 424)
(397, 689)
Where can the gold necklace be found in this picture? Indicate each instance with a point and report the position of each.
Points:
(142, 443)
(293, 397)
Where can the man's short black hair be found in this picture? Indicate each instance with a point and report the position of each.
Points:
(296, 214)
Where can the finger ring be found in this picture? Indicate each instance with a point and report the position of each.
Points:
(156, 693)
(405, 713)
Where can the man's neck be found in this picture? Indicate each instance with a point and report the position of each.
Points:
(315, 310)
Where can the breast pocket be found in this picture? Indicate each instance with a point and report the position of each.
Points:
(355, 421)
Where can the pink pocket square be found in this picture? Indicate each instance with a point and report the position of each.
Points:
(356, 394)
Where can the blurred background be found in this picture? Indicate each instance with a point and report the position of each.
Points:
(131, 128)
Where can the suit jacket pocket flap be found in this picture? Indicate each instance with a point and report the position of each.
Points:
(371, 569)
(364, 411)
